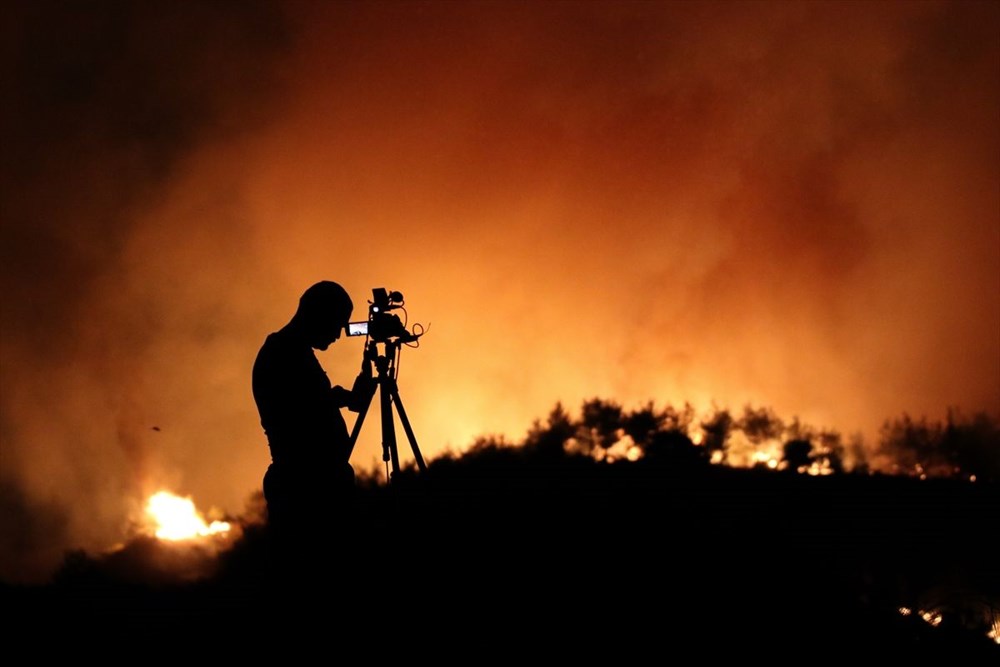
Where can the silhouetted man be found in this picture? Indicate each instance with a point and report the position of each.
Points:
(310, 479)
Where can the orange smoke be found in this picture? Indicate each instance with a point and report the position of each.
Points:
(787, 204)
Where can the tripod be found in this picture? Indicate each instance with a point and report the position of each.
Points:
(385, 364)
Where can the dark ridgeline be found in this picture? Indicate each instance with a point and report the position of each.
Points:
(539, 549)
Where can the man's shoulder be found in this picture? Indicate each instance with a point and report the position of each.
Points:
(275, 348)
(283, 348)
(271, 339)
(281, 340)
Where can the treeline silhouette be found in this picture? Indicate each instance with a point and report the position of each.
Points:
(959, 446)
(608, 535)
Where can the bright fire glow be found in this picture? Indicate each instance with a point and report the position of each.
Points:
(176, 518)
(817, 467)
(932, 617)
(766, 458)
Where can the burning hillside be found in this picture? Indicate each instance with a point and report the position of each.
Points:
(591, 515)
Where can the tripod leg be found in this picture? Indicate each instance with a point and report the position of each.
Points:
(359, 421)
(363, 381)
(389, 450)
(406, 427)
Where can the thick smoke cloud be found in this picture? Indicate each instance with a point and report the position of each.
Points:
(790, 204)
(105, 104)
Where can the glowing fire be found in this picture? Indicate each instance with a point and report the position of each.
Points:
(932, 617)
(176, 518)
(771, 460)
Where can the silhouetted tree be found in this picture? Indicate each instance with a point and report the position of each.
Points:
(716, 428)
(548, 440)
(599, 425)
(796, 430)
(965, 446)
(678, 419)
(488, 443)
(825, 446)
(797, 453)
(642, 423)
(674, 448)
(832, 449)
(913, 445)
(973, 444)
(760, 424)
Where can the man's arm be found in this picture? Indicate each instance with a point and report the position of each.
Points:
(341, 396)
(358, 397)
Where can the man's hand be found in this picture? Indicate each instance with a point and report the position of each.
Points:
(361, 393)
(341, 396)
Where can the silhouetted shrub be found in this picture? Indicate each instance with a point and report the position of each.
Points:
(760, 424)
(549, 440)
(599, 425)
(674, 448)
(797, 454)
(716, 428)
(959, 446)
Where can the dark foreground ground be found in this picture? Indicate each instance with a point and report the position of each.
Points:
(501, 557)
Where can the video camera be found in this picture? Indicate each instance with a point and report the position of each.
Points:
(381, 325)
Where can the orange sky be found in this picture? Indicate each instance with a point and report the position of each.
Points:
(789, 204)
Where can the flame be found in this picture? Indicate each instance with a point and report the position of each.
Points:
(175, 518)
(817, 467)
(770, 459)
(932, 617)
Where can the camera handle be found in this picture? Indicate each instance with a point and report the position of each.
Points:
(388, 398)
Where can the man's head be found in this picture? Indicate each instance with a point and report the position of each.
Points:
(324, 311)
